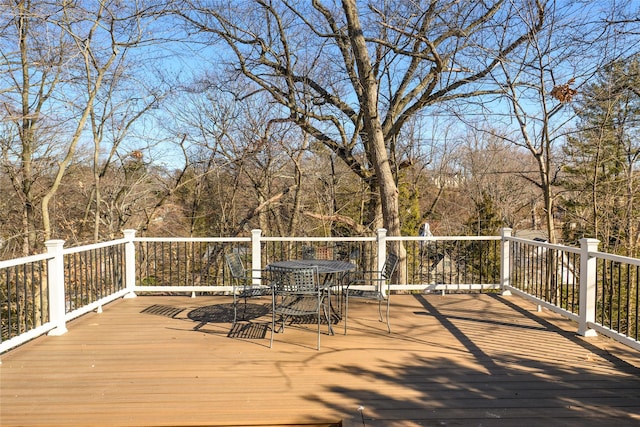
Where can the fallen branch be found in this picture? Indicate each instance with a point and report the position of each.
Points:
(262, 206)
(358, 228)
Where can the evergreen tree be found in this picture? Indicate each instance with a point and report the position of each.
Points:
(484, 257)
(601, 177)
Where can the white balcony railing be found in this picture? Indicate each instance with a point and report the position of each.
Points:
(40, 294)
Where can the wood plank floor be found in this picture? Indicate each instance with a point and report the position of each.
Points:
(469, 360)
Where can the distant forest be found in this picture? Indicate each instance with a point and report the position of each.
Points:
(325, 118)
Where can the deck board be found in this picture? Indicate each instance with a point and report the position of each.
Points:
(462, 359)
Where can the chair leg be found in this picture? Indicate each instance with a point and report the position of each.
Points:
(244, 310)
(319, 322)
(327, 316)
(388, 319)
(273, 319)
(346, 310)
(380, 313)
(235, 309)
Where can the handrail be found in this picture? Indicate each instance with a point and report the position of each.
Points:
(546, 245)
(615, 258)
(24, 260)
(191, 239)
(93, 246)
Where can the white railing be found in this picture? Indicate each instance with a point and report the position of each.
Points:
(587, 276)
(38, 266)
(53, 298)
(541, 272)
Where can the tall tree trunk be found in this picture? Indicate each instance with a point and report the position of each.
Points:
(373, 128)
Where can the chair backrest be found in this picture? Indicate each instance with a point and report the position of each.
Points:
(294, 280)
(324, 252)
(390, 264)
(308, 252)
(319, 252)
(235, 265)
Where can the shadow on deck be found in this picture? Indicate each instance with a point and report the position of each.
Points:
(463, 359)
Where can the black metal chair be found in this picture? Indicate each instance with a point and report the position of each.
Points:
(320, 252)
(381, 282)
(245, 283)
(308, 252)
(296, 293)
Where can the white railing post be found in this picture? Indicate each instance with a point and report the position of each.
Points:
(256, 254)
(381, 242)
(55, 279)
(588, 272)
(382, 247)
(130, 263)
(505, 261)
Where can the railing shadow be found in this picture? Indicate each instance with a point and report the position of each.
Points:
(248, 326)
(496, 388)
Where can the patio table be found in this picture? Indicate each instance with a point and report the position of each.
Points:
(326, 267)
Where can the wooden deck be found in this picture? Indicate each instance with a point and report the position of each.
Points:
(470, 360)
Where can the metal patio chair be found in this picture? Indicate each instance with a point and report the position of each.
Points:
(296, 293)
(244, 283)
(381, 281)
(320, 252)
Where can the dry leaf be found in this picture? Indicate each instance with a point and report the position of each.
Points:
(564, 93)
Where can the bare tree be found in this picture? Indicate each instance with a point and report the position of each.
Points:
(492, 169)
(57, 57)
(112, 117)
(331, 74)
(352, 75)
(245, 168)
(25, 93)
(102, 37)
(540, 82)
